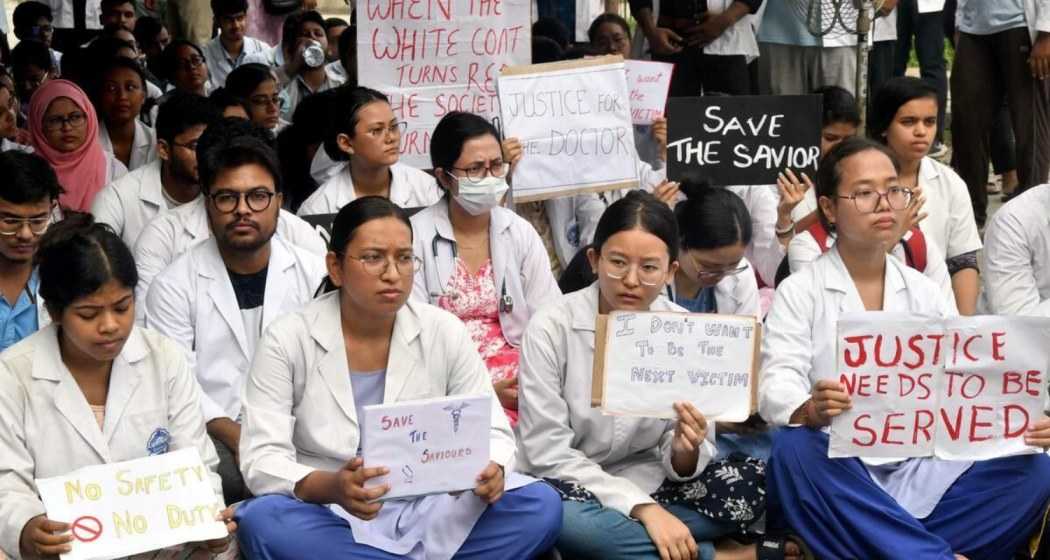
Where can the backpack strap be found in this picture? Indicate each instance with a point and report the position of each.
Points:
(914, 242)
(824, 241)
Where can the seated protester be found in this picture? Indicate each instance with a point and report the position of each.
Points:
(152, 38)
(119, 42)
(346, 66)
(119, 94)
(851, 508)
(365, 133)
(32, 21)
(1016, 273)
(228, 105)
(31, 67)
(487, 265)
(220, 295)
(395, 350)
(904, 118)
(333, 29)
(65, 133)
(300, 147)
(9, 130)
(90, 389)
(231, 47)
(607, 482)
(183, 67)
(130, 203)
(305, 66)
(117, 14)
(256, 86)
(28, 197)
(172, 233)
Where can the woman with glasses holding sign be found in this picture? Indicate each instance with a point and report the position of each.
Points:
(875, 508)
(302, 430)
(481, 261)
(64, 130)
(367, 136)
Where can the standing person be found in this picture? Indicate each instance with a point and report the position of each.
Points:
(76, 22)
(256, 85)
(33, 21)
(921, 22)
(794, 61)
(129, 204)
(365, 343)
(851, 508)
(481, 262)
(218, 297)
(366, 134)
(233, 45)
(27, 201)
(305, 44)
(120, 92)
(64, 129)
(905, 120)
(117, 13)
(90, 389)
(1003, 52)
(189, 19)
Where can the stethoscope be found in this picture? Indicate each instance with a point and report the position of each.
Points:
(506, 301)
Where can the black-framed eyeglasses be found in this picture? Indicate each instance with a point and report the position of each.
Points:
(867, 200)
(227, 202)
(191, 62)
(58, 122)
(377, 264)
(476, 173)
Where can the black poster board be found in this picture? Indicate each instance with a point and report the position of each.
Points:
(742, 140)
(323, 222)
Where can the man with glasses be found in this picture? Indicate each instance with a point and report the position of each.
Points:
(33, 22)
(218, 297)
(230, 49)
(28, 195)
(131, 202)
(31, 66)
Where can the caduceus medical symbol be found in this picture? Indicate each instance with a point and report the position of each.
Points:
(456, 411)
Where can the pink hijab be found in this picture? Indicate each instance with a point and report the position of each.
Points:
(82, 172)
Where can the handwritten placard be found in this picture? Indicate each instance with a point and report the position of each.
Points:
(648, 82)
(430, 446)
(650, 360)
(743, 140)
(120, 509)
(964, 388)
(439, 56)
(574, 122)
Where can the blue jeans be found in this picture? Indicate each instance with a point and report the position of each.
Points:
(590, 531)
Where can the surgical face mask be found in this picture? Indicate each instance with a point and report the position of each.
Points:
(480, 197)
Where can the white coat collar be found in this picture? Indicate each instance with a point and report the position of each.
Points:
(500, 220)
(837, 278)
(194, 218)
(151, 185)
(141, 144)
(928, 170)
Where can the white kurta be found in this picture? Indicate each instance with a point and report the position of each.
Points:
(409, 188)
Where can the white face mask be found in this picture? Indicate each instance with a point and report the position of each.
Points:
(478, 198)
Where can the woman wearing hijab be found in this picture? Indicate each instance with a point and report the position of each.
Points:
(64, 129)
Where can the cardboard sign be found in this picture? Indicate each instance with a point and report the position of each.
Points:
(647, 361)
(574, 122)
(120, 509)
(743, 140)
(964, 388)
(649, 82)
(439, 56)
(430, 446)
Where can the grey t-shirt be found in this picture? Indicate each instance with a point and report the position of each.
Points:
(986, 17)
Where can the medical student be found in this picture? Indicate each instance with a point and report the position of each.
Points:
(120, 92)
(230, 48)
(367, 136)
(28, 197)
(256, 85)
(307, 74)
(183, 67)
(170, 234)
(481, 262)
(366, 343)
(851, 508)
(1016, 273)
(130, 203)
(904, 118)
(218, 297)
(90, 389)
(606, 467)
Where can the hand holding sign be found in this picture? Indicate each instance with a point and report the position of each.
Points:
(689, 434)
(1039, 434)
(44, 537)
(350, 491)
(218, 546)
(830, 399)
(490, 483)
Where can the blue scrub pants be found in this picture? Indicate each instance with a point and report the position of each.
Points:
(840, 512)
(522, 524)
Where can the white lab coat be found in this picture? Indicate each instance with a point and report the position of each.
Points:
(765, 252)
(171, 233)
(49, 430)
(735, 294)
(299, 412)
(950, 222)
(1016, 271)
(520, 265)
(409, 188)
(131, 202)
(143, 148)
(620, 460)
(193, 302)
(803, 251)
(739, 39)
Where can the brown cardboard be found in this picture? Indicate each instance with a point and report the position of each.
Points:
(598, 374)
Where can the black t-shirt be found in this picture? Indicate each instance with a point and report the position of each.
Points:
(250, 288)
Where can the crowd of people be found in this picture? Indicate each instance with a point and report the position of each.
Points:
(165, 285)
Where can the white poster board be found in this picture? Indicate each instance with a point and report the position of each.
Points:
(963, 388)
(120, 509)
(430, 446)
(573, 119)
(650, 360)
(649, 82)
(435, 57)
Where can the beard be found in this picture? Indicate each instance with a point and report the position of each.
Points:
(226, 239)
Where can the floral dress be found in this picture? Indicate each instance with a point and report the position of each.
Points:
(473, 298)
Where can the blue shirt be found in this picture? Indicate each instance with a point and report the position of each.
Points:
(368, 388)
(987, 17)
(704, 302)
(20, 320)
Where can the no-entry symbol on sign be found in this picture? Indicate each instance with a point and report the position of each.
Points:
(87, 528)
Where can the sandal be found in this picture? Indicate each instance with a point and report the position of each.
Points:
(771, 547)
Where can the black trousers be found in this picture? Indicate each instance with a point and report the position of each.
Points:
(696, 73)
